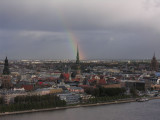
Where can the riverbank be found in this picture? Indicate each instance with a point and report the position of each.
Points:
(76, 106)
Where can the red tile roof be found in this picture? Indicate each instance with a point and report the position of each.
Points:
(27, 87)
(102, 82)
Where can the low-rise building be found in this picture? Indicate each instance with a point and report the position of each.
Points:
(76, 89)
(9, 95)
(70, 98)
(45, 91)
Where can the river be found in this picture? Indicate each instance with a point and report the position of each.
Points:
(149, 110)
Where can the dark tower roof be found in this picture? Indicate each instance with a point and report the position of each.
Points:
(154, 63)
(77, 58)
(6, 68)
(78, 62)
(154, 56)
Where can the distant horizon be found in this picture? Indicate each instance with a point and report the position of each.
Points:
(49, 58)
(10, 59)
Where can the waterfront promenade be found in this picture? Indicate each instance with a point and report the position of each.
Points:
(74, 106)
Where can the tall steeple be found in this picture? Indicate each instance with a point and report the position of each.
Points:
(6, 78)
(6, 68)
(78, 62)
(77, 58)
(154, 63)
(154, 56)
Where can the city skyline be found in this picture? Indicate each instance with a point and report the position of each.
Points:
(38, 29)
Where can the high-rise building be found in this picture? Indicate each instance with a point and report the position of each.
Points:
(154, 63)
(6, 78)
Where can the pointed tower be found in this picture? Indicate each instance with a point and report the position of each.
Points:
(78, 62)
(77, 58)
(154, 63)
(6, 68)
(78, 76)
(6, 78)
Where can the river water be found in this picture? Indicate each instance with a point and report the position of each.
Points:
(149, 110)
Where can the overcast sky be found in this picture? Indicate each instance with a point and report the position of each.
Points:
(105, 29)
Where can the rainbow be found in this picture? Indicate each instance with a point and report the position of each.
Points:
(74, 44)
(71, 36)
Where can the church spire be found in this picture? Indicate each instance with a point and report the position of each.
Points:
(6, 68)
(154, 56)
(154, 63)
(77, 58)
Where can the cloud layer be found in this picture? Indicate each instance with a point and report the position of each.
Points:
(105, 29)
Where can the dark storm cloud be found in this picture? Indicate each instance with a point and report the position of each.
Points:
(42, 45)
(105, 29)
(48, 15)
